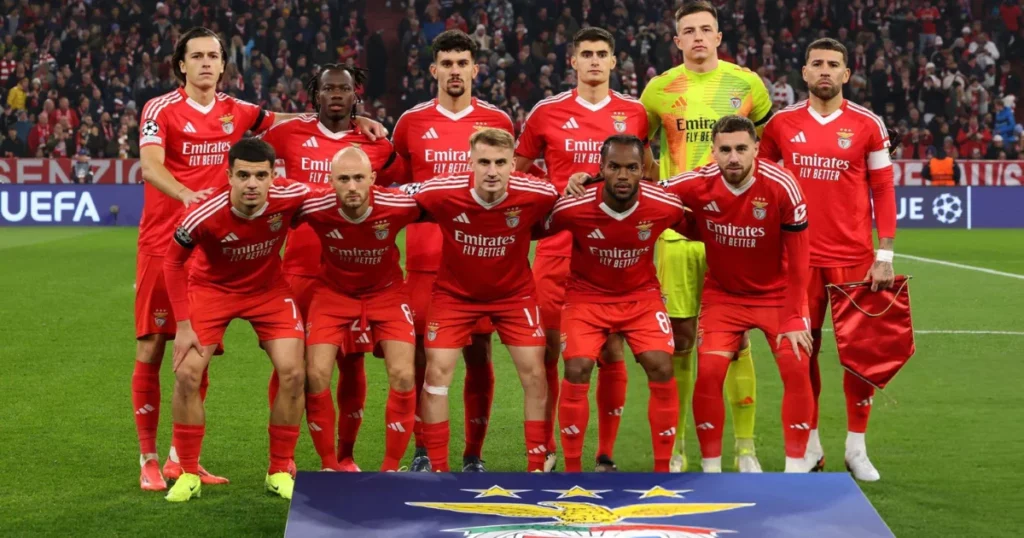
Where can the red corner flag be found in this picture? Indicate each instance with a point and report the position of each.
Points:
(874, 333)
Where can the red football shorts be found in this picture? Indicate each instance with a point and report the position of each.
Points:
(333, 315)
(644, 325)
(274, 314)
(720, 326)
(419, 285)
(153, 314)
(550, 273)
(302, 287)
(817, 295)
(449, 325)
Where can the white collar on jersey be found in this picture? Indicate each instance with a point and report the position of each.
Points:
(486, 204)
(824, 120)
(360, 219)
(202, 109)
(594, 107)
(327, 132)
(619, 216)
(743, 189)
(241, 215)
(454, 116)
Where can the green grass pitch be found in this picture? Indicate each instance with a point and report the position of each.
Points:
(948, 450)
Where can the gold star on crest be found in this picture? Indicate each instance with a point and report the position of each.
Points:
(577, 491)
(496, 491)
(658, 491)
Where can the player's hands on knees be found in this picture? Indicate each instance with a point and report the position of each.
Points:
(576, 184)
(797, 339)
(371, 128)
(189, 197)
(880, 275)
(184, 341)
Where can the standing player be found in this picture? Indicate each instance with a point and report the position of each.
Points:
(683, 103)
(613, 288)
(307, 144)
(485, 218)
(432, 137)
(752, 218)
(361, 281)
(239, 231)
(839, 151)
(568, 131)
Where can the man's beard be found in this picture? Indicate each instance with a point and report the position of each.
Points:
(826, 94)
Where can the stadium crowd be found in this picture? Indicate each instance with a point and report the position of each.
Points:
(74, 75)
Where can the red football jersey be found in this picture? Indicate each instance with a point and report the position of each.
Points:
(196, 140)
(360, 255)
(568, 133)
(486, 248)
(831, 158)
(613, 253)
(237, 254)
(742, 230)
(435, 143)
(307, 148)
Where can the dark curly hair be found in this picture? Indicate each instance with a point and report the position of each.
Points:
(359, 77)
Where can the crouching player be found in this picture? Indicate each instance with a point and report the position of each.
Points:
(239, 231)
(360, 280)
(613, 289)
(752, 218)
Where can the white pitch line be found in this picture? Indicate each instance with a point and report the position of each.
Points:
(962, 266)
(1003, 333)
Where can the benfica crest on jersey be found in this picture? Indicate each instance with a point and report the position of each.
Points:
(644, 230)
(432, 331)
(160, 317)
(512, 217)
(563, 338)
(759, 208)
(380, 229)
(845, 138)
(619, 120)
(736, 100)
(275, 222)
(227, 122)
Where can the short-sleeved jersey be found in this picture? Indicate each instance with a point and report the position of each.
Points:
(568, 132)
(196, 140)
(435, 142)
(742, 230)
(307, 148)
(486, 248)
(360, 256)
(831, 158)
(612, 252)
(238, 254)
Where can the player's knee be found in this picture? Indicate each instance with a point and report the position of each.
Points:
(578, 370)
(187, 378)
(657, 366)
(402, 378)
(292, 377)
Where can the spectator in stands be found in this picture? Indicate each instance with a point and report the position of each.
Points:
(18, 96)
(40, 133)
(1005, 122)
(973, 136)
(61, 143)
(999, 150)
(941, 171)
(11, 146)
(782, 93)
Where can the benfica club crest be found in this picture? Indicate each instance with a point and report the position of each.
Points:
(275, 222)
(512, 217)
(845, 138)
(380, 229)
(759, 208)
(432, 331)
(160, 317)
(563, 338)
(227, 122)
(619, 121)
(644, 230)
(736, 100)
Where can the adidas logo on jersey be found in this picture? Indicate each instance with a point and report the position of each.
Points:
(431, 134)
(596, 234)
(571, 124)
(462, 218)
(799, 138)
(229, 238)
(712, 207)
(189, 128)
(311, 143)
(335, 234)
(363, 339)
(396, 426)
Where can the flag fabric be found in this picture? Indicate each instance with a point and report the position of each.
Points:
(874, 331)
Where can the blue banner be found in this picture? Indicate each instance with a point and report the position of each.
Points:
(606, 505)
(932, 207)
(70, 205)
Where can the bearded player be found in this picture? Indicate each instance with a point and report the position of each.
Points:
(485, 218)
(237, 275)
(839, 151)
(613, 288)
(361, 282)
(752, 218)
(307, 144)
(568, 131)
(432, 137)
(683, 103)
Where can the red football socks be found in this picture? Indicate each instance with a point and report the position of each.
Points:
(551, 372)
(708, 402)
(187, 440)
(351, 398)
(282, 447)
(611, 398)
(400, 417)
(417, 429)
(320, 418)
(797, 400)
(815, 376)
(859, 397)
(146, 401)
(477, 397)
(573, 415)
(536, 434)
(663, 415)
(435, 438)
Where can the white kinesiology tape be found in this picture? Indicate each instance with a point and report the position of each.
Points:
(436, 391)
